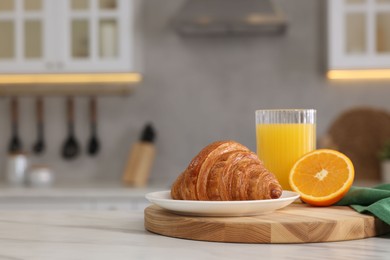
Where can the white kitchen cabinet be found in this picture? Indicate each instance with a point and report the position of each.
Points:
(97, 36)
(68, 36)
(24, 35)
(359, 34)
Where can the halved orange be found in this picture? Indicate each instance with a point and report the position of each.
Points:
(322, 177)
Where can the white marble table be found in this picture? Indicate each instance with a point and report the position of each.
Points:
(77, 190)
(76, 196)
(121, 235)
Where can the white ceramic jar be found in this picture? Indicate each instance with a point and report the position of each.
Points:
(40, 176)
(17, 165)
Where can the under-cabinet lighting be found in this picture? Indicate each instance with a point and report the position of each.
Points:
(371, 74)
(70, 78)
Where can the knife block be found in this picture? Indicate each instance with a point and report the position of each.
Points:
(139, 164)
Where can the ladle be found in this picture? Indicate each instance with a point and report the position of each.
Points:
(71, 147)
(15, 144)
(39, 145)
(93, 143)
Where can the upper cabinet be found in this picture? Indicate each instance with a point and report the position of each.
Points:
(69, 37)
(23, 36)
(359, 36)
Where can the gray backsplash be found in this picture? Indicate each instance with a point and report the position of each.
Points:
(198, 90)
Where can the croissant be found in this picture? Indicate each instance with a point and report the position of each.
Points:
(226, 170)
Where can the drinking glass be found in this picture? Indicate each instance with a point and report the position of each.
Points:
(283, 136)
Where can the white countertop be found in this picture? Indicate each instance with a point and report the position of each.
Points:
(121, 235)
(92, 189)
(76, 196)
(72, 190)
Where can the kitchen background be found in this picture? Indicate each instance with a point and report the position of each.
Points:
(197, 90)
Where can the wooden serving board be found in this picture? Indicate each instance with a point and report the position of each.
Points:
(297, 223)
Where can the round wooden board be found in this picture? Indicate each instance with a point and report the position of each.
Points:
(297, 223)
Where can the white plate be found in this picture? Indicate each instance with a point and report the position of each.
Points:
(220, 208)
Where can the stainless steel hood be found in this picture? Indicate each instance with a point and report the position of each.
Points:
(229, 17)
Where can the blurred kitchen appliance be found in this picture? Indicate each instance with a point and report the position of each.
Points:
(229, 17)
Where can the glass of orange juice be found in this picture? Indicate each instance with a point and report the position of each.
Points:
(283, 136)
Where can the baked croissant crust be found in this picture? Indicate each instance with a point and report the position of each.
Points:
(226, 170)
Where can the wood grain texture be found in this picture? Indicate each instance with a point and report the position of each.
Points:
(298, 223)
(139, 164)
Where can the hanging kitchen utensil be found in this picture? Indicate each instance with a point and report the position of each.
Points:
(15, 145)
(39, 145)
(93, 143)
(71, 148)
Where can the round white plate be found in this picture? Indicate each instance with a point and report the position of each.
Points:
(220, 208)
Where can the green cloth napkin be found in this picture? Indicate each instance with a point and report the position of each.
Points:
(374, 200)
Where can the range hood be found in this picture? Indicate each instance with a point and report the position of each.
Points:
(229, 17)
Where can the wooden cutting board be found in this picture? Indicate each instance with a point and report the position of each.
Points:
(297, 223)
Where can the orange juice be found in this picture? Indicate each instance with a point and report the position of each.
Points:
(279, 146)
